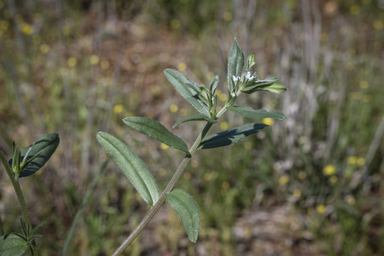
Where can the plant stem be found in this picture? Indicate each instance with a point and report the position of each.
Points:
(168, 189)
(19, 194)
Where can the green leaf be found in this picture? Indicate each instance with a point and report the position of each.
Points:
(230, 136)
(39, 153)
(235, 63)
(197, 117)
(12, 245)
(179, 81)
(157, 131)
(213, 84)
(269, 84)
(251, 60)
(188, 211)
(132, 166)
(257, 114)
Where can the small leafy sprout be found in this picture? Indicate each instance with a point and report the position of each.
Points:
(30, 159)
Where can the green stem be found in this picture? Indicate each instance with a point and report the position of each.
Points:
(19, 194)
(168, 189)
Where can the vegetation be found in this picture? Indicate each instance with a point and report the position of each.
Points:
(77, 71)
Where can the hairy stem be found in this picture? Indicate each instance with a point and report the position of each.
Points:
(168, 189)
(19, 194)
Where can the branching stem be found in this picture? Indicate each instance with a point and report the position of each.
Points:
(168, 189)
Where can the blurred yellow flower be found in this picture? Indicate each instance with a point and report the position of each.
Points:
(118, 108)
(268, 121)
(378, 25)
(72, 62)
(297, 192)
(175, 23)
(329, 170)
(210, 75)
(227, 16)
(283, 180)
(173, 108)
(321, 208)
(354, 10)
(225, 185)
(302, 175)
(333, 179)
(194, 163)
(224, 126)
(352, 160)
(104, 64)
(183, 112)
(363, 84)
(182, 66)
(351, 200)
(163, 146)
(94, 59)
(207, 176)
(44, 48)
(223, 97)
(26, 28)
(361, 161)
(4, 25)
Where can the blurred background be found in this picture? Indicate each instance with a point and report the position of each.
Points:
(310, 185)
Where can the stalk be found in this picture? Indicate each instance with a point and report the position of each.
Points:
(168, 189)
(19, 194)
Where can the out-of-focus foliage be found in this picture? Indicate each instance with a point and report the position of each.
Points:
(77, 67)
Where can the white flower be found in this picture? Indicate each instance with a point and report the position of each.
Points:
(235, 78)
(249, 77)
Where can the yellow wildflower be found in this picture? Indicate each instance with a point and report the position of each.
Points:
(297, 192)
(321, 208)
(182, 66)
(224, 126)
(361, 161)
(94, 59)
(72, 62)
(283, 180)
(352, 160)
(173, 108)
(118, 108)
(329, 170)
(268, 121)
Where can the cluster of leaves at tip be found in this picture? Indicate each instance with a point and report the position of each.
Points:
(204, 100)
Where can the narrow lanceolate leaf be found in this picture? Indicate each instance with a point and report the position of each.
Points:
(197, 117)
(12, 245)
(36, 155)
(213, 84)
(157, 131)
(230, 136)
(179, 81)
(187, 210)
(257, 114)
(132, 166)
(250, 61)
(269, 84)
(235, 63)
